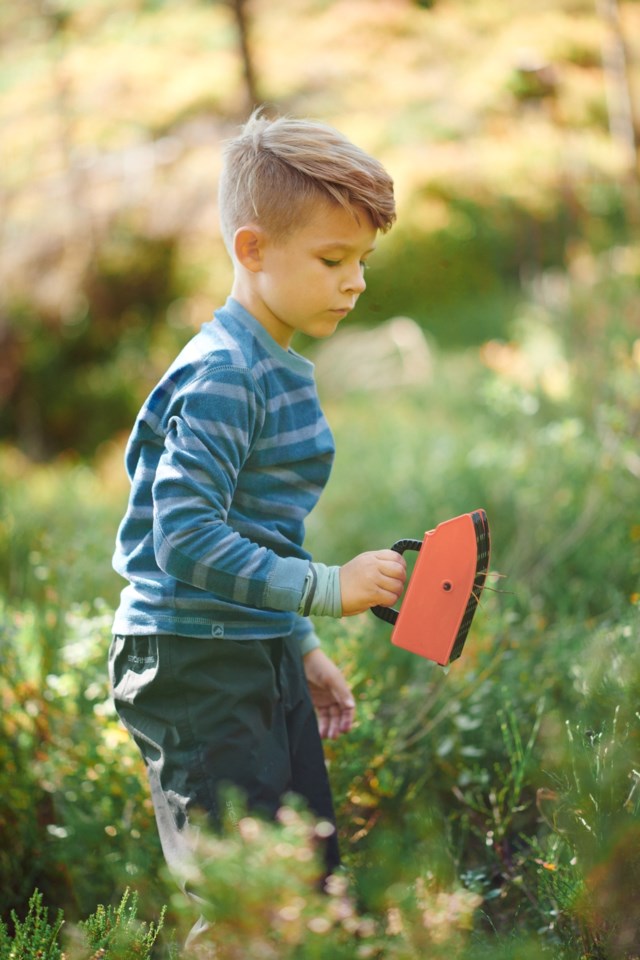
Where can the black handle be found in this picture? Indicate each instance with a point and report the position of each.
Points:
(390, 614)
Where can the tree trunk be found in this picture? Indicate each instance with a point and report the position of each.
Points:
(618, 87)
(240, 11)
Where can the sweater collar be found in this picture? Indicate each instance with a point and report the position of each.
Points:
(288, 358)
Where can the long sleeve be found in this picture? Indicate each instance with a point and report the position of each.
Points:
(229, 454)
(304, 632)
(196, 480)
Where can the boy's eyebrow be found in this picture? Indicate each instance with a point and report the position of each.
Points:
(340, 245)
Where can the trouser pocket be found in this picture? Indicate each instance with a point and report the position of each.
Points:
(133, 665)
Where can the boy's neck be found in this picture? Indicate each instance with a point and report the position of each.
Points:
(244, 294)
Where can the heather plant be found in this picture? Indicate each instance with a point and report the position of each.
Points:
(116, 931)
(35, 937)
(260, 890)
(485, 811)
(500, 792)
(110, 933)
(77, 821)
(590, 800)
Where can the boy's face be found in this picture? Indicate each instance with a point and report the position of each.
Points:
(311, 280)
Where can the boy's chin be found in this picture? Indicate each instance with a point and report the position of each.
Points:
(325, 330)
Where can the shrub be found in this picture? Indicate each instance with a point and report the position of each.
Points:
(260, 886)
(111, 933)
(478, 778)
(72, 787)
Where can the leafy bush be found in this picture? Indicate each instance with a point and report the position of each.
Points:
(117, 932)
(72, 787)
(260, 886)
(57, 524)
(33, 938)
(109, 933)
(500, 793)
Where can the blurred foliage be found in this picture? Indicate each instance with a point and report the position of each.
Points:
(42, 558)
(487, 810)
(499, 795)
(281, 911)
(542, 433)
(494, 122)
(68, 775)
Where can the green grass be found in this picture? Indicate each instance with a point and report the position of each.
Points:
(488, 810)
(501, 794)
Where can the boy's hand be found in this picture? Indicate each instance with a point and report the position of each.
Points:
(372, 578)
(330, 693)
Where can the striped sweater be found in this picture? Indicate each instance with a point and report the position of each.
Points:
(228, 455)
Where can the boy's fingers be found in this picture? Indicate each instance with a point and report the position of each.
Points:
(323, 721)
(389, 582)
(386, 599)
(394, 565)
(390, 555)
(334, 722)
(391, 585)
(390, 579)
(347, 718)
(342, 710)
(340, 721)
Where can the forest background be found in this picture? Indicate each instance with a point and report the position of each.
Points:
(490, 809)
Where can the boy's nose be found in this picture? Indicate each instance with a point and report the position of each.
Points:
(355, 280)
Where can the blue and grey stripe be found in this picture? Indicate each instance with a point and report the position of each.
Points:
(228, 456)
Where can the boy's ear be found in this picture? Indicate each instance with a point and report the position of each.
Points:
(248, 246)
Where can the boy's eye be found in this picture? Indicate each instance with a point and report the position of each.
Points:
(330, 263)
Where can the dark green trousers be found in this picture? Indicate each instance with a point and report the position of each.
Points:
(210, 713)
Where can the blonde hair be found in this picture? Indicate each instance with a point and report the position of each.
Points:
(274, 169)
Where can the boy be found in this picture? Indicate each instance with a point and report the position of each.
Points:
(215, 666)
